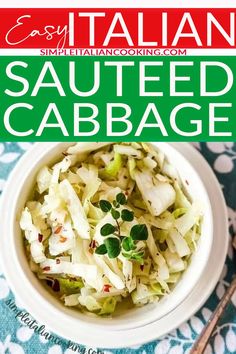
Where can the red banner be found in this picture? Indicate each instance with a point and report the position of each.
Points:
(117, 28)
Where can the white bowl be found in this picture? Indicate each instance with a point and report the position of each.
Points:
(35, 297)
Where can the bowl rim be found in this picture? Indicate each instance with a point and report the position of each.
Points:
(6, 196)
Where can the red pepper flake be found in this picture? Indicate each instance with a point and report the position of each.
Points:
(63, 239)
(58, 230)
(56, 285)
(40, 237)
(142, 267)
(126, 193)
(93, 244)
(46, 269)
(106, 288)
(58, 261)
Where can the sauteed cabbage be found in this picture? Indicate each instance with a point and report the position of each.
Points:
(110, 223)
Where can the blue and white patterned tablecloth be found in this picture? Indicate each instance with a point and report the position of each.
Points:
(17, 338)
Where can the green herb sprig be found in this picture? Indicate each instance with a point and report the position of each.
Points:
(114, 242)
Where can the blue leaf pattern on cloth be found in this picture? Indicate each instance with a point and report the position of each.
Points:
(16, 338)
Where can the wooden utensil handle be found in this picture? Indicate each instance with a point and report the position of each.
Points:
(202, 341)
